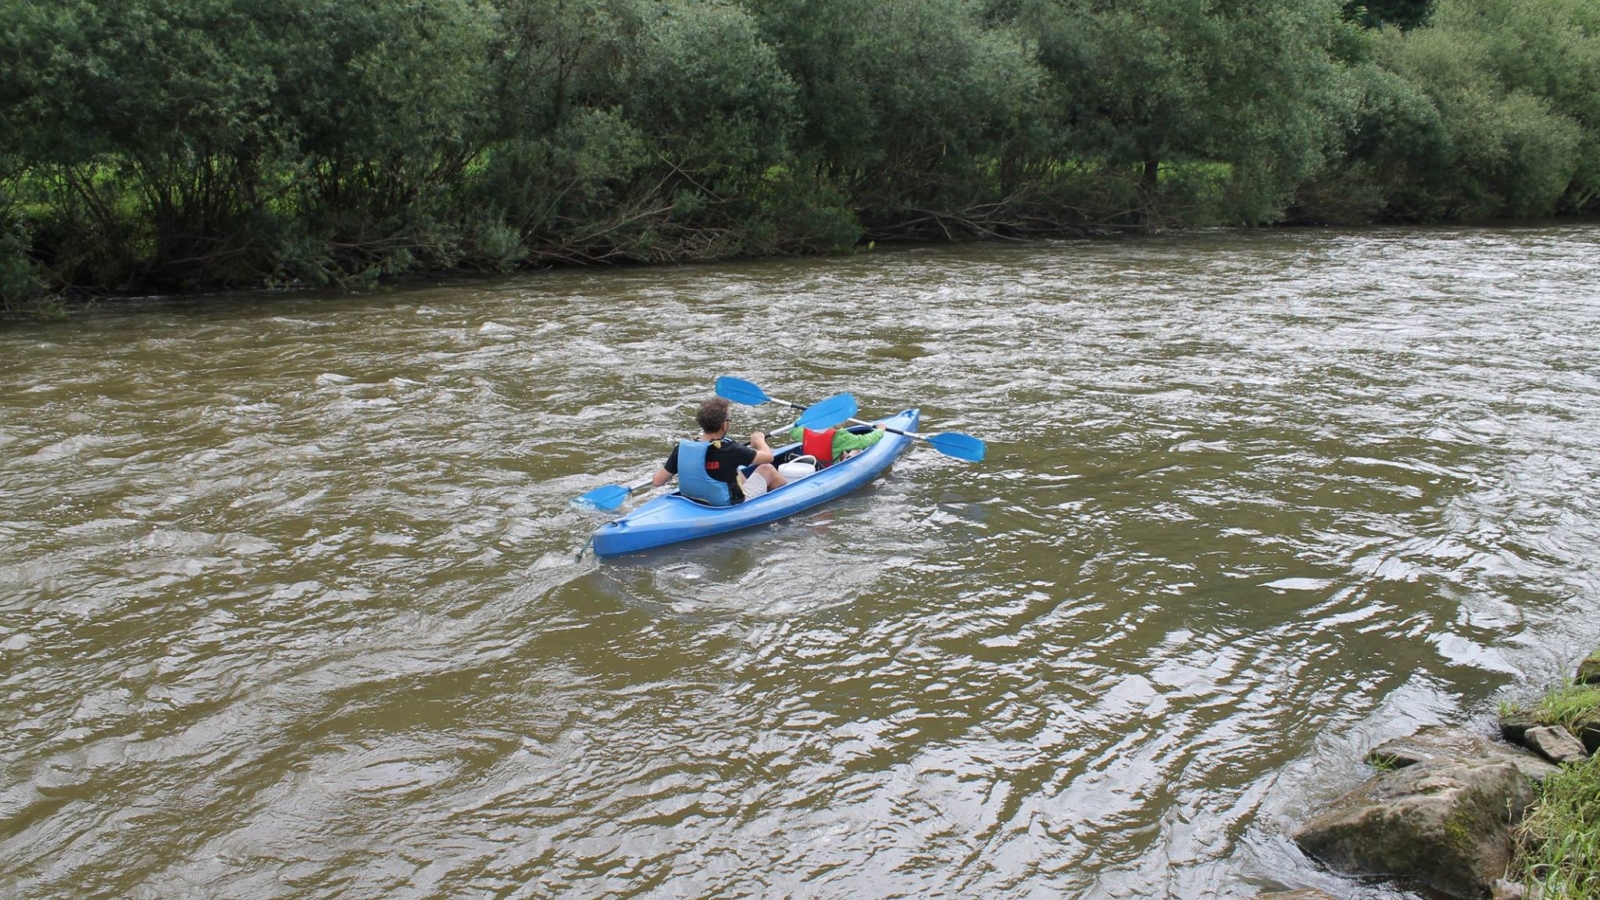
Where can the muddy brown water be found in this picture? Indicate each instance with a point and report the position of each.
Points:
(291, 602)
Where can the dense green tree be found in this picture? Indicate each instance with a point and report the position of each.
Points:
(162, 106)
(708, 90)
(1394, 139)
(1488, 111)
(231, 141)
(1493, 109)
(1194, 84)
(390, 101)
(563, 158)
(919, 108)
(196, 143)
(635, 129)
(1403, 14)
(1547, 53)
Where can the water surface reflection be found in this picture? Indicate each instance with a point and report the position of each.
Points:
(291, 602)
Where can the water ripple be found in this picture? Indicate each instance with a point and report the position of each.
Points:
(291, 600)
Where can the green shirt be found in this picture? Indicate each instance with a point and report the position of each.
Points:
(843, 441)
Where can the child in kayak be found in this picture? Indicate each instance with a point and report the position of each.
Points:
(836, 443)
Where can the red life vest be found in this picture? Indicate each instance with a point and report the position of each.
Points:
(820, 445)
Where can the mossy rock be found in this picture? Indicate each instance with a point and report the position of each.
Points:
(1441, 822)
(1589, 669)
(1445, 742)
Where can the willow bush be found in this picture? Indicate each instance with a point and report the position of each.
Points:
(1491, 110)
(923, 114)
(185, 144)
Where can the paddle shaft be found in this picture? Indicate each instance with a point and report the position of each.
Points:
(823, 412)
(748, 392)
(909, 434)
(756, 393)
(960, 446)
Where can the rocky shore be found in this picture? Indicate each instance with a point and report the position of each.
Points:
(1452, 812)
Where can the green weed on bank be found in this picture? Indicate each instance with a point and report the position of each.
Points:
(1560, 850)
(1559, 842)
(1570, 705)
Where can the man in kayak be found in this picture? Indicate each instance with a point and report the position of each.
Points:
(833, 444)
(708, 467)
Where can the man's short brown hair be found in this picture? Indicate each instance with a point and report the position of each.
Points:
(712, 415)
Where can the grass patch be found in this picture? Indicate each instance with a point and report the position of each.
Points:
(1383, 762)
(1560, 841)
(1570, 705)
(1558, 848)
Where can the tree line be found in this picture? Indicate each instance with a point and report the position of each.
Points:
(165, 145)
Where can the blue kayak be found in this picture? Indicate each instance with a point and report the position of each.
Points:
(673, 518)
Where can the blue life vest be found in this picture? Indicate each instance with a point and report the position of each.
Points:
(694, 482)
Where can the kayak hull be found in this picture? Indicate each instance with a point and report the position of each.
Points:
(673, 518)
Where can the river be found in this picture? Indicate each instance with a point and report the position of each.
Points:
(293, 602)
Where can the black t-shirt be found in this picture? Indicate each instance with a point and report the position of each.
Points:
(723, 459)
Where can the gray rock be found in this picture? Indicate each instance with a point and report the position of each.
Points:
(1513, 890)
(1555, 743)
(1440, 742)
(1442, 822)
(1589, 670)
(1507, 890)
(1588, 731)
(1302, 894)
(1516, 722)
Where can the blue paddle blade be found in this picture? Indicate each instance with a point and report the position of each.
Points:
(829, 412)
(961, 446)
(605, 498)
(740, 391)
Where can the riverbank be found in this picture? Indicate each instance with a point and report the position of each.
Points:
(1470, 816)
(1559, 841)
(345, 144)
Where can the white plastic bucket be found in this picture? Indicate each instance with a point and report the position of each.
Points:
(798, 468)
